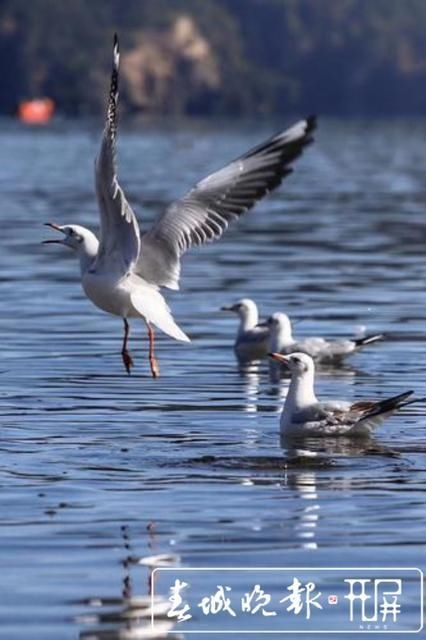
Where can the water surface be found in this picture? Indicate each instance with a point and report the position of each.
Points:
(99, 471)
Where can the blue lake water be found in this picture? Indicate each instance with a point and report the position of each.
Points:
(101, 473)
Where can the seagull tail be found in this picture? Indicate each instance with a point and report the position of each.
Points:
(413, 401)
(362, 342)
(152, 306)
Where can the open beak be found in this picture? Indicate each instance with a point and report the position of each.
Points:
(279, 358)
(52, 225)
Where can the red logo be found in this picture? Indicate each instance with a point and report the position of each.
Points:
(332, 599)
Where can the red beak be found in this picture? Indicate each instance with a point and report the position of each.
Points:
(278, 357)
(52, 225)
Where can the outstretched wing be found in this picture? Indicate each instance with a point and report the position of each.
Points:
(120, 237)
(204, 213)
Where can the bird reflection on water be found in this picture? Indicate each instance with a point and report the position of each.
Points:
(129, 617)
(305, 459)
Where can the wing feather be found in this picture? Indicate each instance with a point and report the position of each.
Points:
(120, 237)
(205, 212)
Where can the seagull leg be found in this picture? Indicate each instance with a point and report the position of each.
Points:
(127, 358)
(155, 369)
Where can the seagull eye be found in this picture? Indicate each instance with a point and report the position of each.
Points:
(71, 232)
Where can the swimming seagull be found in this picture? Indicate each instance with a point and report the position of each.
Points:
(282, 341)
(252, 341)
(304, 415)
(123, 271)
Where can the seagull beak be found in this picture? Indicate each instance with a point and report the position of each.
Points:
(279, 358)
(262, 325)
(227, 308)
(52, 225)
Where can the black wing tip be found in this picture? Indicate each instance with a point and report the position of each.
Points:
(406, 394)
(115, 54)
(311, 123)
(389, 405)
(370, 339)
(116, 51)
(278, 142)
(395, 402)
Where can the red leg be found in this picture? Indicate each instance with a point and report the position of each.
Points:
(127, 358)
(155, 369)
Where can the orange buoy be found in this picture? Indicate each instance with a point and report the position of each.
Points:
(38, 111)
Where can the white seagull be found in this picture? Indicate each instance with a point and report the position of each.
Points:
(305, 415)
(252, 340)
(281, 341)
(122, 272)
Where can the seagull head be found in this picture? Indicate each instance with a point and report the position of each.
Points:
(243, 308)
(280, 336)
(299, 364)
(279, 323)
(73, 236)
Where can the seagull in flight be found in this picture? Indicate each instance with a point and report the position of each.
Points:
(122, 271)
(304, 415)
(281, 340)
(252, 340)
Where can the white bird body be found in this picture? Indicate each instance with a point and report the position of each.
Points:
(252, 346)
(251, 342)
(122, 272)
(109, 294)
(321, 349)
(127, 294)
(131, 297)
(304, 415)
(107, 288)
(282, 341)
